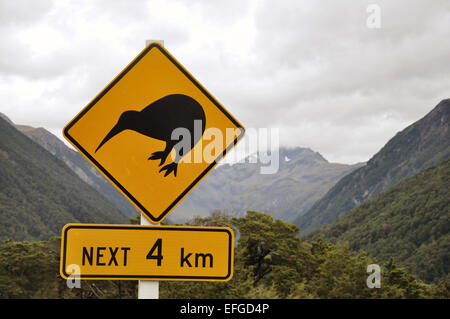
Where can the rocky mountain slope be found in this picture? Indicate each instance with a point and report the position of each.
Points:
(302, 178)
(419, 146)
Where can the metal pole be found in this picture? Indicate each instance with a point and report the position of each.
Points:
(148, 289)
(147, 42)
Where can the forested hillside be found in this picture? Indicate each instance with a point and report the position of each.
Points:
(39, 194)
(78, 164)
(270, 262)
(423, 144)
(410, 222)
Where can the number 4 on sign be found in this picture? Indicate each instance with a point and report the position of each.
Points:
(158, 247)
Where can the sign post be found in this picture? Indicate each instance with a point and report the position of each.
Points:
(154, 132)
(148, 289)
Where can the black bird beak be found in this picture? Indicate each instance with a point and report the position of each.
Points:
(115, 130)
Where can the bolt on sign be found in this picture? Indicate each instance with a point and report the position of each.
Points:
(147, 252)
(154, 132)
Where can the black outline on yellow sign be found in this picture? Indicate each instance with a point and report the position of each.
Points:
(109, 176)
(63, 265)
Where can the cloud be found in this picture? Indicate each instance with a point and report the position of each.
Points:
(313, 69)
(327, 78)
(22, 12)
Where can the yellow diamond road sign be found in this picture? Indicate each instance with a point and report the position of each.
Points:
(154, 132)
(146, 252)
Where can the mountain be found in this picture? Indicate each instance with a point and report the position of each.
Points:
(79, 165)
(302, 178)
(39, 194)
(410, 222)
(419, 146)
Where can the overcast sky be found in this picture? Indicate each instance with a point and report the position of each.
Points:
(313, 69)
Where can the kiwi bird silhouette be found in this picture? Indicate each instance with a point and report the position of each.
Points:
(160, 120)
